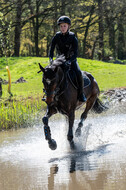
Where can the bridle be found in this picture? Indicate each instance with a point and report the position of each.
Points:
(54, 92)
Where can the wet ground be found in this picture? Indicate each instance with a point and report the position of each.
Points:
(98, 163)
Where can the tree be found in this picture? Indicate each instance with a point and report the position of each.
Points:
(17, 28)
(121, 41)
(100, 26)
(38, 17)
(121, 33)
(86, 29)
(101, 30)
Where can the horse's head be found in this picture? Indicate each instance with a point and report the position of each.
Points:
(51, 79)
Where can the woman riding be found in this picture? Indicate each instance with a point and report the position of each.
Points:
(67, 44)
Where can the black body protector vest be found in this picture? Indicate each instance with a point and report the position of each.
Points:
(66, 45)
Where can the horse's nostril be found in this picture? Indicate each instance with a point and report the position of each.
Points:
(44, 99)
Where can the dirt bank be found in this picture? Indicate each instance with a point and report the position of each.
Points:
(118, 94)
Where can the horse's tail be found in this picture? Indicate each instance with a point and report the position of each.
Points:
(99, 107)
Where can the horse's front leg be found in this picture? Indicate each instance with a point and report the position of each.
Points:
(47, 131)
(70, 130)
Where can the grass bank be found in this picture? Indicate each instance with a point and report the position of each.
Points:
(26, 100)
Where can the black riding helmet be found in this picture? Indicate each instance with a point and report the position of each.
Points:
(64, 19)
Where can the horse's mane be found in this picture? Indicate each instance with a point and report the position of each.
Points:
(59, 61)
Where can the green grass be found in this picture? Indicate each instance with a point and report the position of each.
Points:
(23, 67)
(26, 100)
(108, 75)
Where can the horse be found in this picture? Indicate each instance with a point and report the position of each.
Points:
(61, 95)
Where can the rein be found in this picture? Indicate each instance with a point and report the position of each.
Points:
(54, 92)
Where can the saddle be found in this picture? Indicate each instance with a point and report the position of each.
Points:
(73, 79)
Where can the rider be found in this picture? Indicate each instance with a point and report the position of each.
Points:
(67, 44)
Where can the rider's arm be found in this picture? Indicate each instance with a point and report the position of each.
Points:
(51, 52)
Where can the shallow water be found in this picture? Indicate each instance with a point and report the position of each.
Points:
(98, 163)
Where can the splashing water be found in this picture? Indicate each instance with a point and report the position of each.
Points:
(26, 162)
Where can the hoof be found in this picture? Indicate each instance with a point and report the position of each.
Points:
(52, 144)
(78, 132)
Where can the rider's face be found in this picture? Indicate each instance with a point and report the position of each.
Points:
(64, 27)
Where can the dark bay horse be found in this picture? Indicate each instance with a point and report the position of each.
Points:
(61, 95)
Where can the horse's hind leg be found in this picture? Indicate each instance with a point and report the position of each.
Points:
(89, 104)
(51, 142)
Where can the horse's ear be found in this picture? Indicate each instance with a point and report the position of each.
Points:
(41, 68)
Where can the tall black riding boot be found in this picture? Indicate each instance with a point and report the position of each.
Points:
(82, 97)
